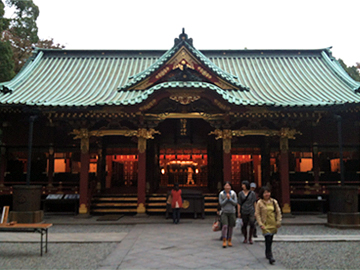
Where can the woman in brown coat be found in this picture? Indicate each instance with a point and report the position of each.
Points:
(268, 216)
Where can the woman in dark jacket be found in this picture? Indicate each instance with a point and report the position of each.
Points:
(246, 210)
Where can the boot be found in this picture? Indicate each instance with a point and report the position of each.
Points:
(267, 246)
(244, 231)
(229, 242)
(251, 235)
(224, 242)
(271, 258)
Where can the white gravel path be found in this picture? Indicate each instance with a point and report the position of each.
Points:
(334, 255)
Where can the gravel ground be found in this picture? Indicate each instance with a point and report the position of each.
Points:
(314, 230)
(62, 256)
(293, 255)
(311, 255)
(315, 255)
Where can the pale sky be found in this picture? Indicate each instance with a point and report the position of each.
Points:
(225, 24)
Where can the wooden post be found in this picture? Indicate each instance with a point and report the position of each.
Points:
(257, 170)
(51, 161)
(30, 143)
(103, 167)
(284, 174)
(227, 155)
(143, 135)
(108, 160)
(141, 184)
(265, 162)
(84, 171)
(99, 170)
(316, 165)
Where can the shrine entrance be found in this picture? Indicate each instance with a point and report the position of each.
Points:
(186, 167)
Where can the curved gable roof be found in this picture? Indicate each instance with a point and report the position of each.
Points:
(181, 51)
(286, 78)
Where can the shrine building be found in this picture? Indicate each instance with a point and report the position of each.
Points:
(134, 122)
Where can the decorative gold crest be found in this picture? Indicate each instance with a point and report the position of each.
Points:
(184, 98)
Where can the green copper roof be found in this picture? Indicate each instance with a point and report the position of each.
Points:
(167, 55)
(92, 78)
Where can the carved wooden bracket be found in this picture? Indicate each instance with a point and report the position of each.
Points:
(83, 134)
(285, 134)
(226, 135)
(142, 133)
(288, 133)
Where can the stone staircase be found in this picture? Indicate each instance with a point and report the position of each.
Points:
(107, 204)
(211, 203)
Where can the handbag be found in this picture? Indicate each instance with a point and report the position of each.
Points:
(169, 200)
(216, 226)
(239, 223)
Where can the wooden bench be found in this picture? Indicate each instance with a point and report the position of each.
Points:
(41, 228)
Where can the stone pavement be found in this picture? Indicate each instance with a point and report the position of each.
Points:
(155, 243)
(186, 245)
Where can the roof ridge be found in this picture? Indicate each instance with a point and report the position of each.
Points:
(183, 40)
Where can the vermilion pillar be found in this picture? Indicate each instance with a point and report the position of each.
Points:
(265, 161)
(227, 154)
(256, 165)
(284, 175)
(141, 175)
(51, 161)
(100, 169)
(142, 134)
(84, 183)
(316, 165)
(109, 171)
(84, 172)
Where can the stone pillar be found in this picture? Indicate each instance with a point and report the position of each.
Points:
(51, 161)
(284, 173)
(84, 171)
(227, 154)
